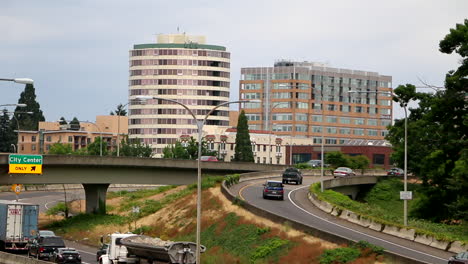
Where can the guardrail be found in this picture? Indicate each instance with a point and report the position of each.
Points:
(8, 258)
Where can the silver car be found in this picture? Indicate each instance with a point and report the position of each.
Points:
(343, 172)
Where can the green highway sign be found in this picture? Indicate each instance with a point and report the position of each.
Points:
(25, 163)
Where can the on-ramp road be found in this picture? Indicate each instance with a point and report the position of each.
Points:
(297, 207)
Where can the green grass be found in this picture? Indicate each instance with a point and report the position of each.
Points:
(138, 194)
(382, 203)
(84, 222)
(245, 241)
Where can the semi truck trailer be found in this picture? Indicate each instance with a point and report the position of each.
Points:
(18, 224)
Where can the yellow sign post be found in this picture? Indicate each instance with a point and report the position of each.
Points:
(31, 164)
(16, 188)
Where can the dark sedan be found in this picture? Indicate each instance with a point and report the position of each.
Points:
(66, 255)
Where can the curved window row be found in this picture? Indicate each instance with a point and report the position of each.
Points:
(157, 131)
(176, 112)
(174, 121)
(179, 72)
(181, 62)
(179, 82)
(180, 52)
(180, 92)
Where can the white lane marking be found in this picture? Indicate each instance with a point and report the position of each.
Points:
(289, 197)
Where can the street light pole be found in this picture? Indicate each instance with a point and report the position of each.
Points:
(19, 80)
(200, 123)
(271, 130)
(118, 130)
(405, 162)
(17, 149)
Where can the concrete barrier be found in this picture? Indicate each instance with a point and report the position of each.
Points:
(8, 258)
(405, 233)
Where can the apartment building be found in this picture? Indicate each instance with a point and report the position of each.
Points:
(178, 67)
(112, 128)
(311, 100)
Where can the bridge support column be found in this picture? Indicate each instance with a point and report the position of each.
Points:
(95, 198)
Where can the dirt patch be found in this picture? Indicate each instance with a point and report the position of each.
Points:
(260, 221)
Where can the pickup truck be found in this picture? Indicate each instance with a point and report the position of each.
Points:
(292, 175)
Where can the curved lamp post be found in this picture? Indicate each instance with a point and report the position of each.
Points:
(17, 124)
(17, 105)
(200, 123)
(19, 80)
(118, 130)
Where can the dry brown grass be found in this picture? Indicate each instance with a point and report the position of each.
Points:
(179, 219)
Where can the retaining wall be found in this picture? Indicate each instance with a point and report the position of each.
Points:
(7, 258)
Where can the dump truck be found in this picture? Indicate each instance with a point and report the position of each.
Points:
(18, 225)
(154, 249)
(144, 249)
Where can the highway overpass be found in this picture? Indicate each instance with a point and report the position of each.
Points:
(96, 173)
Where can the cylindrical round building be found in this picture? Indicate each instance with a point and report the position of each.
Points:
(182, 68)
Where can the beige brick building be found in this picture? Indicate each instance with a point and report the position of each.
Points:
(39, 142)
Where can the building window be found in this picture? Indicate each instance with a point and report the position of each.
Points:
(33, 147)
(281, 96)
(359, 121)
(264, 148)
(48, 138)
(251, 95)
(33, 138)
(372, 132)
(385, 122)
(331, 130)
(344, 108)
(301, 128)
(301, 117)
(70, 139)
(22, 138)
(282, 117)
(332, 119)
(264, 160)
(378, 159)
(252, 117)
(258, 159)
(302, 105)
(371, 122)
(331, 141)
(316, 118)
(358, 132)
(47, 147)
(345, 131)
(345, 120)
(316, 129)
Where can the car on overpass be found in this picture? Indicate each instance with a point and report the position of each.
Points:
(395, 172)
(341, 172)
(292, 175)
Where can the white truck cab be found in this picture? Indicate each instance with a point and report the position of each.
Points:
(116, 252)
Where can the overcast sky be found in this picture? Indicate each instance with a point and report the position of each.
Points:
(77, 50)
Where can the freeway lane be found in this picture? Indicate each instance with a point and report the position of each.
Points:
(297, 207)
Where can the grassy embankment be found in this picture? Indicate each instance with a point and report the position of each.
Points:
(231, 234)
(382, 203)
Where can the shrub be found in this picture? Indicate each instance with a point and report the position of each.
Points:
(302, 166)
(58, 208)
(339, 255)
(266, 249)
(362, 245)
(232, 179)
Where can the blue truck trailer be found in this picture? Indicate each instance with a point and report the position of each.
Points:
(18, 224)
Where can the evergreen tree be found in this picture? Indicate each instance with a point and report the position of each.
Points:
(75, 124)
(243, 150)
(7, 134)
(120, 111)
(63, 121)
(28, 121)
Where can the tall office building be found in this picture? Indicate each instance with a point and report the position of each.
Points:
(182, 68)
(304, 99)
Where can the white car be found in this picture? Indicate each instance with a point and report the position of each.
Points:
(343, 172)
